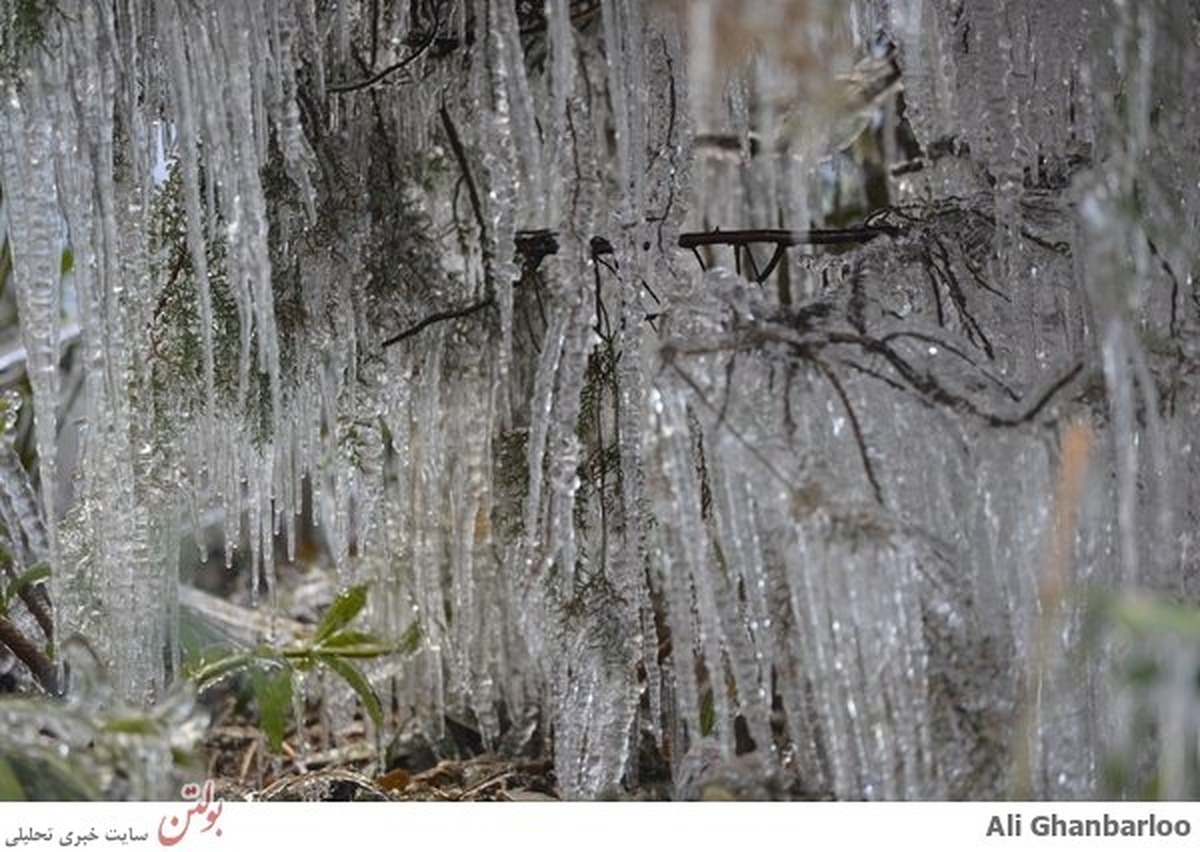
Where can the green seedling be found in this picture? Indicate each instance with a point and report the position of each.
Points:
(334, 646)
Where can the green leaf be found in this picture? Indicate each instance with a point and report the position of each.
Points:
(365, 651)
(273, 692)
(347, 638)
(349, 672)
(1155, 617)
(11, 789)
(67, 262)
(411, 640)
(302, 660)
(133, 725)
(209, 673)
(1141, 671)
(37, 574)
(342, 611)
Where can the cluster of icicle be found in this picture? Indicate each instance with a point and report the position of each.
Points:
(805, 553)
(83, 128)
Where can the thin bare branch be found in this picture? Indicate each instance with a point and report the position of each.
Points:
(40, 665)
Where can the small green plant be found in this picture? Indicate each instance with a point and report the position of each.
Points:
(335, 645)
(1154, 676)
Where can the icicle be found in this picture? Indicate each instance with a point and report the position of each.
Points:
(680, 555)
(500, 162)
(517, 118)
(27, 147)
(537, 560)
(189, 161)
(748, 630)
(562, 87)
(298, 155)
(617, 86)
(22, 515)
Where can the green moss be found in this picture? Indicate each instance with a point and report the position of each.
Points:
(22, 28)
(177, 341)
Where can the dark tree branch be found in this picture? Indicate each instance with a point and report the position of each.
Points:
(783, 237)
(810, 342)
(38, 603)
(31, 655)
(855, 427)
(460, 154)
(536, 246)
(367, 82)
(780, 250)
(440, 316)
(33, 595)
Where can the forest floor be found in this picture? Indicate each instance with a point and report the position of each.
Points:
(322, 764)
(314, 765)
(331, 756)
(243, 769)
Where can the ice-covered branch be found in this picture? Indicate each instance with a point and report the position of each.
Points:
(371, 79)
(39, 664)
(535, 246)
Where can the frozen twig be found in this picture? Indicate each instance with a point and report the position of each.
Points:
(31, 655)
(534, 246)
